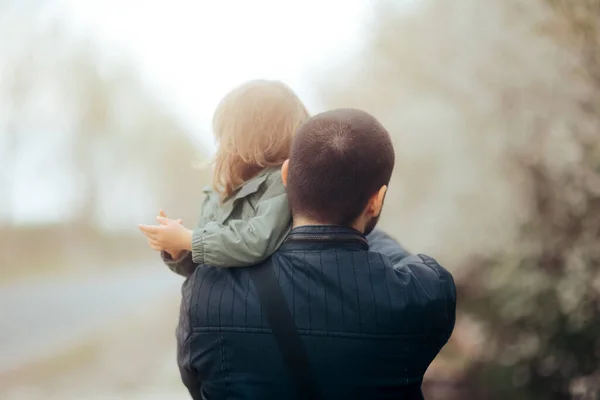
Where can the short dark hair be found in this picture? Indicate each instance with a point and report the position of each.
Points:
(338, 160)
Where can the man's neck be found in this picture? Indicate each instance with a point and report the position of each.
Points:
(303, 221)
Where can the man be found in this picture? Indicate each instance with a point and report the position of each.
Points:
(324, 317)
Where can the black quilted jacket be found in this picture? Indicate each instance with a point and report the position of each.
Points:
(372, 320)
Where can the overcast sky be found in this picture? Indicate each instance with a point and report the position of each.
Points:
(191, 52)
(194, 51)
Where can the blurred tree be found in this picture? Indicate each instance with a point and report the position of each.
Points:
(494, 111)
(583, 28)
(117, 127)
(120, 152)
(15, 86)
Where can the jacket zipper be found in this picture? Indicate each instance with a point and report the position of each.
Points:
(341, 237)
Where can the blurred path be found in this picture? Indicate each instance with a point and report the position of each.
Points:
(39, 319)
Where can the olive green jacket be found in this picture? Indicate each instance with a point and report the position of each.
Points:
(243, 230)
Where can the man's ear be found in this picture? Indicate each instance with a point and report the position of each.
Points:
(376, 202)
(284, 172)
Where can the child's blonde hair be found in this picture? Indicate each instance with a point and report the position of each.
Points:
(253, 126)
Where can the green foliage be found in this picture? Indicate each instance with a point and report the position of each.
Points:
(543, 311)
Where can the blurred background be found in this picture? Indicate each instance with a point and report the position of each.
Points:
(105, 109)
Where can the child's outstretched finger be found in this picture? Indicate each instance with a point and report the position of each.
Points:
(164, 220)
(148, 230)
(167, 221)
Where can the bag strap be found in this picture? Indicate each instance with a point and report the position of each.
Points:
(288, 340)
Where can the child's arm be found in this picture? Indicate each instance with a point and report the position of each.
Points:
(245, 242)
(183, 263)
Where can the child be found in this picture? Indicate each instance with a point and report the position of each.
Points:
(245, 215)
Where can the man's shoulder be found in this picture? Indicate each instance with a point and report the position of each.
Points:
(429, 275)
(424, 268)
(208, 276)
(423, 262)
(220, 297)
(381, 242)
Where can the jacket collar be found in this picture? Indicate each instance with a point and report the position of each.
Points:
(252, 186)
(245, 190)
(318, 237)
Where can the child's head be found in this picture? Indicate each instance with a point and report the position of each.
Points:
(253, 126)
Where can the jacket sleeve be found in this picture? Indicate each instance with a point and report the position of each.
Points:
(184, 337)
(245, 242)
(381, 242)
(435, 286)
(185, 265)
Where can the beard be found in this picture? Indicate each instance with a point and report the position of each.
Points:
(371, 225)
(373, 221)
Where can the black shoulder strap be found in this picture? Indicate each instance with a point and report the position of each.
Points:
(282, 324)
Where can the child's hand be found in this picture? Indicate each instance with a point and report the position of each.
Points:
(161, 213)
(170, 235)
(174, 253)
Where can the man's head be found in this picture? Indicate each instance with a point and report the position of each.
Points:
(340, 165)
